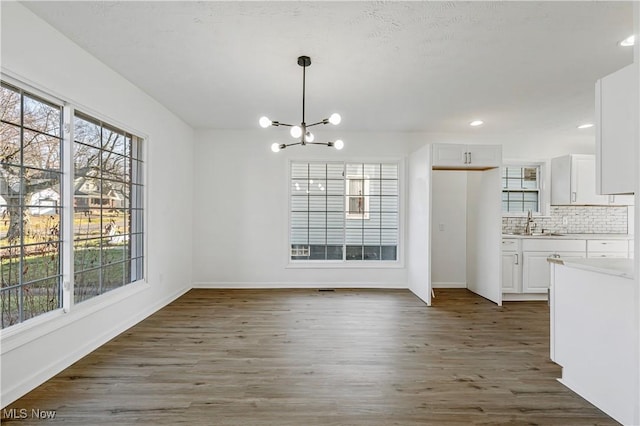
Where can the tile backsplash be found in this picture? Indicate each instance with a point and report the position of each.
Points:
(579, 220)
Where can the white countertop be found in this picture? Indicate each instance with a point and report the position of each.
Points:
(611, 266)
(561, 236)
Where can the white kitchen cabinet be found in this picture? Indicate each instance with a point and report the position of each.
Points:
(607, 249)
(511, 266)
(573, 181)
(620, 200)
(536, 269)
(456, 156)
(616, 111)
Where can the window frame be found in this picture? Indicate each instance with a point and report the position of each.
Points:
(136, 238)
(543, 179)
(399, 262)
(37, 326)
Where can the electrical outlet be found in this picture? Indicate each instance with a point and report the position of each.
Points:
(441, 227)
(565, 220)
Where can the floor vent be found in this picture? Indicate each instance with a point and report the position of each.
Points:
(326, 289)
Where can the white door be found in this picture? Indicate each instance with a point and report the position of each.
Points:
(484, 234)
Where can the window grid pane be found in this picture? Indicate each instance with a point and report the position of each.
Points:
(108, 200)
(31, 205)
(520, 189)
(343, 211)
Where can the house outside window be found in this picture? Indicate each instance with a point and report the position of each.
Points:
(344, 211)
(107, 207)
(37, 191)
(357, 197)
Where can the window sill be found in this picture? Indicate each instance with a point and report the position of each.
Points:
(341, 264)
(32, 329)
(524, 215)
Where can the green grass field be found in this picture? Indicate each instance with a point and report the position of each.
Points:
(96, 271)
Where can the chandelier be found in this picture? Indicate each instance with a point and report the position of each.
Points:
(301, 131)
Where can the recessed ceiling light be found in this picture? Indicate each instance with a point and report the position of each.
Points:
(629, 41)
(476, 123)
(585, 126)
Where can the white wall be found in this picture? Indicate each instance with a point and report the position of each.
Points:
(241, 209)
(449, 228)
(35, 350)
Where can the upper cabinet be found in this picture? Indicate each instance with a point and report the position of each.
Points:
(454, 156)
(616, 111)
(573, 182)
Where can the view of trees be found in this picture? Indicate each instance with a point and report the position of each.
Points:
(30, 176)
(104, 157)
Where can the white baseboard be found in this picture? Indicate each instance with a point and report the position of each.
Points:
(280, 285)
(448, 285)
(524, 297)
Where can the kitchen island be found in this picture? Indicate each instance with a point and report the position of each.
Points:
(593, 316)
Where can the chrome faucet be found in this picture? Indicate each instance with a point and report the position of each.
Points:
(527, 227)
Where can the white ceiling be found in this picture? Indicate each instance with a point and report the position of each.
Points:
(523, 67)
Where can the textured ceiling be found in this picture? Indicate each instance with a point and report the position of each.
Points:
(522, 67)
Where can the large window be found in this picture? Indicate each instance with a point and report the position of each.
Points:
(107, 201)
(344, 211)
(30, 205)
(521, 189)
(103, 187)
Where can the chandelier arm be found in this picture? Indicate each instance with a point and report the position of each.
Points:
(325, 121)
(278, 123)
(321, 143)
(293, 144)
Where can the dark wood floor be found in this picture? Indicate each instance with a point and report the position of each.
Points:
(304, 357)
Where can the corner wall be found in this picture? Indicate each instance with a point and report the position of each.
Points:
(36, 350)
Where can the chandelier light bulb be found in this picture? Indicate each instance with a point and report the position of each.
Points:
(296, 131)
(309, 137)
(629, 41)
(275, 147)
(264, 122)
(335, 119)
(339, 144)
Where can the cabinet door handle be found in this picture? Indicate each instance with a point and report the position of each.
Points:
(574, 197)
(469, 157)
(466, 161)
(517, 259)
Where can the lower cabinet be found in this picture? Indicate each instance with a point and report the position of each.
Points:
(536, 270)
(511, 272)
(525, 270)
